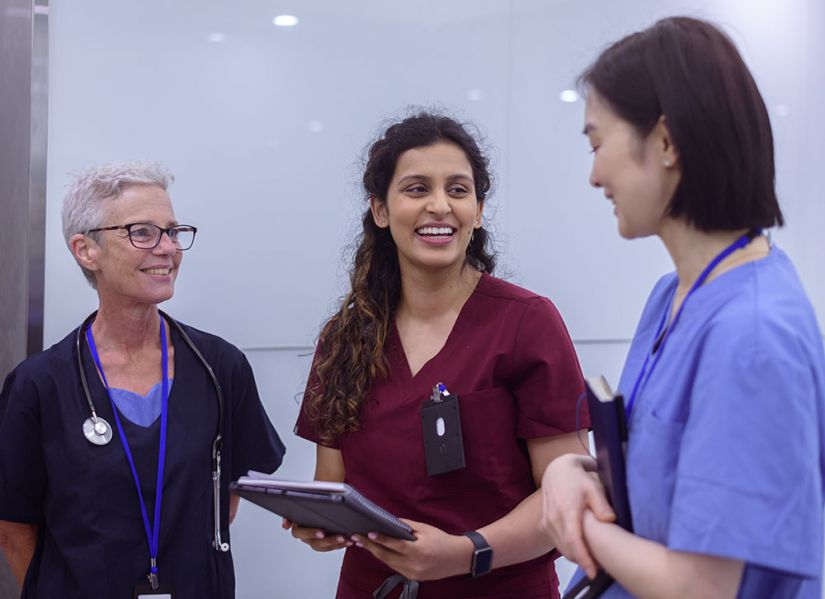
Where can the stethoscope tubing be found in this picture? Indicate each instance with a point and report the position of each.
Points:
(217, 443)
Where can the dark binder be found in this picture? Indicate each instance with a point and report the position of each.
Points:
(334, 507)
(607, 419)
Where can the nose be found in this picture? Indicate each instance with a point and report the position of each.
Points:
(439, 203)
(594, 180)
(166, 245)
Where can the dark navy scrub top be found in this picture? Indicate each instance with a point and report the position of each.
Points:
(512, 364)
(91, 539)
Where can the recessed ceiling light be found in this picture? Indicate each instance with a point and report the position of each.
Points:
(285, 21)
(568, 95)
(315, 126)
(475, 95)
(216, 38)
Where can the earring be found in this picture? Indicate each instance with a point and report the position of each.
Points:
(666, 163)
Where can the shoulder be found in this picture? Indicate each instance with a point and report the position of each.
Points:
(767, 312)
(40, 376)
(522, 313)
(216, 350)
(504, 291)
(508, 300)
(58, 358)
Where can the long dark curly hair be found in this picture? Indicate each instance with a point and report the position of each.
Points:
(351, 355)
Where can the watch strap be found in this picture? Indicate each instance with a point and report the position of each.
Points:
(482, 561)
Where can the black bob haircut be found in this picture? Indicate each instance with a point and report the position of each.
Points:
(690, 72)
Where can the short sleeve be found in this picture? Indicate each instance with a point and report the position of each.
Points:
(304, 426)
(748, 484)
(22, 464)
(547, 380)
(256, 444)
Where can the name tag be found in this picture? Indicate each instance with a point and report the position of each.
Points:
(443, 444)
(145, 591)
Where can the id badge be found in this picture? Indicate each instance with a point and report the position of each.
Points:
(441, 425)
(145, 591)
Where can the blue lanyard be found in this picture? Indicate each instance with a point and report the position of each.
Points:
(154, 535)
(644, 375)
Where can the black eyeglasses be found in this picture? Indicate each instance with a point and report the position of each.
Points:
(146, 236)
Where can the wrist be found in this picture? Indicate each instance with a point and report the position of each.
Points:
(464, 556)
(481, 558)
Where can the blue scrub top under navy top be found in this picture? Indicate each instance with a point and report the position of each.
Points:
(726, 451)
(91, 539)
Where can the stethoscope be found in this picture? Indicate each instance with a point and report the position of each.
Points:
(99, 432)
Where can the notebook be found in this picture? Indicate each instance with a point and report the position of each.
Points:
(607, 419)
(334, 507)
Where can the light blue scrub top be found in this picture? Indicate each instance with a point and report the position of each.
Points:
(726, 453)
(142, 410)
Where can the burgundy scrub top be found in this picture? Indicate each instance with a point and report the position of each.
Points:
(512, 364)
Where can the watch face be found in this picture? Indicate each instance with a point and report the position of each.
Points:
(482, 561)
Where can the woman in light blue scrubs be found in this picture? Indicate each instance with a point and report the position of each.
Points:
(725, 378)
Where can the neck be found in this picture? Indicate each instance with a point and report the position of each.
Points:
(430, 294)
(127, 330)
(692, 250)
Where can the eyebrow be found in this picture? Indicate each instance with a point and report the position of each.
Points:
(414, 177)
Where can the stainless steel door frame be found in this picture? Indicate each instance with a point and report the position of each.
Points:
(23, 130)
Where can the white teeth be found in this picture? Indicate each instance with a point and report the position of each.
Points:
(157, 271)
(436, 231)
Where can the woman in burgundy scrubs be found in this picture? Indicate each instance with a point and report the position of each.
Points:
(424, 309)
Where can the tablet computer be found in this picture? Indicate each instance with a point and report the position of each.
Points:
(334, 507)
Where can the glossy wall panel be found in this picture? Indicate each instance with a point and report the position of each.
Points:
(265, 128)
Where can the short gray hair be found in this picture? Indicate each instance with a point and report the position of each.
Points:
(92, 188)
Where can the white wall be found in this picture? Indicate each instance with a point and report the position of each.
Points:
(265, 130)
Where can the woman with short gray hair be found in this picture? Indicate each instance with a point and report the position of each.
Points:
(112, 440)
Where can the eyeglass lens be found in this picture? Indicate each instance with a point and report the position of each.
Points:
(147, 235)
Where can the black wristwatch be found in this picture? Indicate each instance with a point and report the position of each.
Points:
(482, 561)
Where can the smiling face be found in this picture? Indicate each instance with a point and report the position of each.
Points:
(123, 272)
(431, 207)
(639, 175)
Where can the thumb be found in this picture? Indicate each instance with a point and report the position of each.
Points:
(600, 506)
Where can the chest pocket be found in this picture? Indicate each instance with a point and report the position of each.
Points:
(492, 452)
(652, 462)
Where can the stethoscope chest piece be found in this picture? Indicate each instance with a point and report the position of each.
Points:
(97, 431)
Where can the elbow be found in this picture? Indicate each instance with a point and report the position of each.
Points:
(16, 537)
(6, 537)
(704, 577)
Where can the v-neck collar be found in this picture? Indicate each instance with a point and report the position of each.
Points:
(100, 396)
(403, 372)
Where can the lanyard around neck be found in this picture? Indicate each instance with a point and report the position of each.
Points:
(152, 535)
(659, 344)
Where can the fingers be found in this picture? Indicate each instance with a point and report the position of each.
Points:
(381, 546)
(380, 550)
(576, 549)
(598, 504)
(568, 490)
(318, 539)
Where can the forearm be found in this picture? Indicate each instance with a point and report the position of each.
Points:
(234, 503)
(647, 569)
(17, 542)
(516, 537)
